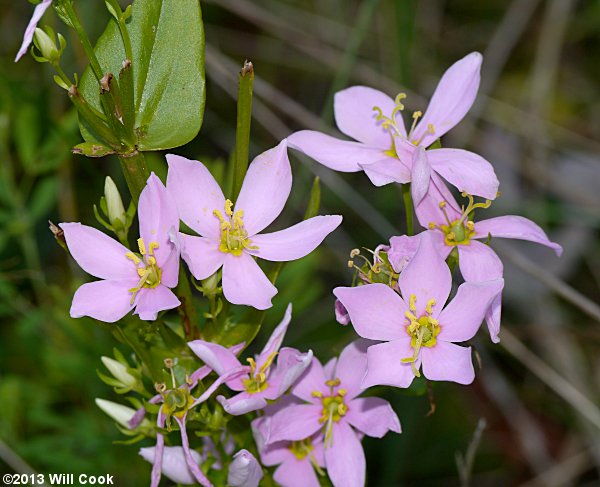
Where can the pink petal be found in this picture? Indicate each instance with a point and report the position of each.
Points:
(402, 250)
(98, 254)
(291, 364)
(466, 171)
(452, 99)
(272, 454)
(513, 226)
(426, 276)
(170, 269)
(245, 283)
(351, 367)
(265, 189)
(449, 362)
(336, 154)
(420, 175)
(174, 465)
(341, 313)
(295, 423)
(158, 219)
(372, 416)
(492, 318)
(276, 339)
(242, 403)
(355, 116)
(460, 320)
(375, 310)
(479, 262)
(296, 473)
(428, 210)
(385, 366)
(244, 470)
(296, 241)
(386, 171)
(39, 11)
(329, 368)
(345, 459)
(106, 301)
(149, 302)
(313, 379)
(201, 254)
(219, 359)
(196, 194)
(192, 465)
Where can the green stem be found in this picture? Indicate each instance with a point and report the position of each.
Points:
(123, 28)
(62, 74)
(408, 206)
(85, 40)
(136, 173)
(242, 130)
(190, 317)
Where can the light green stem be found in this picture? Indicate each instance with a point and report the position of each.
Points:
(242, 131)
(408, 207)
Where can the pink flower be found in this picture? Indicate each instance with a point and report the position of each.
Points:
(265, 381)
(296, 460)
(334, 409)
(388, 153)
(244, 471)
(39, 11)
(452, 227)
(129, 280)
(230, 234)
(416, 327)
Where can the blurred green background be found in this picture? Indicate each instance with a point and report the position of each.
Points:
(537, 119)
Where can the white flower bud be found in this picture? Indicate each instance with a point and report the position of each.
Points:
(119, 372)
(121, 414)
(244, 471)
(114, 204)
(46, 45)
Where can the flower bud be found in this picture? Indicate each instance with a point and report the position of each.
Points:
(121, 414)
(114, 203)
(120, 372)
(174, 465)
(46, 44)
(244, 471)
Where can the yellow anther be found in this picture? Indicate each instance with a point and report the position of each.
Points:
(410, 316)
(430, 128)
(252, 363)
(131, 256)
(412, 303)
(417, 114)
(429, 306)
(431, 226)
(450, 236)
(342, 392)
(332, 383)
(354, 253)
(317, 394)
(442, 204)
(152, 247)
(151, 260)
(141, 272)
(141, 246)
(228, 207)
(470, 225)
(350, 264)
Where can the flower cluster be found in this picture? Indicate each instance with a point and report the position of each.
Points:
(307, 419)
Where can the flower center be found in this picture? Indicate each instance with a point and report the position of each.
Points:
(149, 272)
(257, 382)
(391, 125)
(334, 408)
(234, 238)
(301, 449)
(460, 231)
(423, 330)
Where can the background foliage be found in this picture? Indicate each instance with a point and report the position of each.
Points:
(537, 120)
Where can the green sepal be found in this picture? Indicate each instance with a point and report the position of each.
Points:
(314, 200)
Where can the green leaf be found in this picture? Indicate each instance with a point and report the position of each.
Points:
(167, 39)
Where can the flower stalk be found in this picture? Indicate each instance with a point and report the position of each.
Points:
(242, 131)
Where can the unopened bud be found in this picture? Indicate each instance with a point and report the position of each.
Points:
(114, 203)
(46, 45)
(121, 414)
(119, 372)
